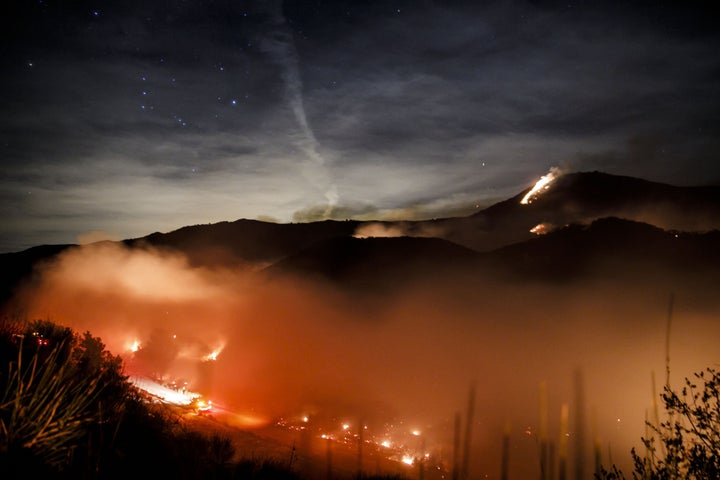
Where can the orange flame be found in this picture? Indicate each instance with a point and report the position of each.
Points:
(540, 186)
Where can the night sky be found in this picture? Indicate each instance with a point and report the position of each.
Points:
(133, 116)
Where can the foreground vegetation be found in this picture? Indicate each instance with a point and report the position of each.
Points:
(687, 444)
(67, 411)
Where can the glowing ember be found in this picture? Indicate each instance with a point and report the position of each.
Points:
(386, 444)
(408, 460)
(541, 185)
(345, 426)
(416, 433)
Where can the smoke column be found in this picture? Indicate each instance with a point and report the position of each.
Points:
(280, 44)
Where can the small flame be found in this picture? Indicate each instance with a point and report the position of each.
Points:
(203, 406)
(540, 186)
(541, 228)
(134, 346)
(408, 460)
(212, 356)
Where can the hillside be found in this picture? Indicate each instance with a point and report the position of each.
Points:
(502, 232)
(375, 264)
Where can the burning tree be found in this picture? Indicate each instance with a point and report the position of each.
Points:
(687, 444)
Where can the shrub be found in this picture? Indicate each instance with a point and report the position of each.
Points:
(687, 444)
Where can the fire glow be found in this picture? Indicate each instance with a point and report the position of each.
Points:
(212, 356)
(306, 367)
(541, 186)
(541, 228)
(164, 393)
(134, 346)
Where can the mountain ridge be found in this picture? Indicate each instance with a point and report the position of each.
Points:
(499, 232)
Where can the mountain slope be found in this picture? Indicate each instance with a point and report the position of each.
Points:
(375, 264)
(243, 241)
(582, 198)
(19, 267)
(610, 247)
(327, 249)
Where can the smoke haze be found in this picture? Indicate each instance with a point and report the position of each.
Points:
(292, 347)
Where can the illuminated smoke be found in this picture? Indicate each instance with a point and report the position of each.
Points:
(370, 230)
(541, 185)
(280, 43)
(298, 348)
(397, 229)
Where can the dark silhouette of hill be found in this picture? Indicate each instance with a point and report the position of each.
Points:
(609, 247)
(581, 198)
(571, 198)
(327, 250)
(244, 241)
(375, 264)
(18, 267)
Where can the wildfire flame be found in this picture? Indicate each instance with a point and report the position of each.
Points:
(541, 228)
(212, 356)
(162, 392)
(134, 346)
(540, 186)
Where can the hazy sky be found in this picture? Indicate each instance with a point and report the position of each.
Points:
(129, 116)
